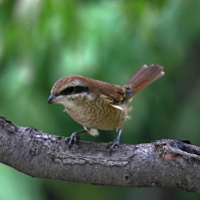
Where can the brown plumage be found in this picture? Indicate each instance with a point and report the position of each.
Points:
(100, 105)
(144, 76)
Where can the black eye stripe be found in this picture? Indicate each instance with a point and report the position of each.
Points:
(67, 91)
(79, 89)
(74, 90)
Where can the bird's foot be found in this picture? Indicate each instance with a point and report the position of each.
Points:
(116, 142)
(73, 139)
(112, 145)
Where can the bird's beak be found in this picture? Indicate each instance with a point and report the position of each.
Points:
(51, 98)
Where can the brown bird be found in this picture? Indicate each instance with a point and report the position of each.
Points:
(100, 105)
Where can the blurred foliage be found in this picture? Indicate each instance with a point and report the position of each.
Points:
(42, 41)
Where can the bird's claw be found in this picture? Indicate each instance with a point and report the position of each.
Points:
(112, 145)
(73, 139)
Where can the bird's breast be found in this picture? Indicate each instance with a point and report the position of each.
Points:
(98, 114)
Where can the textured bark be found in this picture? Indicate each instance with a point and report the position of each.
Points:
(157, 164)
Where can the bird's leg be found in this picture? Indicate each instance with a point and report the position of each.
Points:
(116, 141)
(74, 137)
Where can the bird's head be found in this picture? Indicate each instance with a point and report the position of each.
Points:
(68, 89)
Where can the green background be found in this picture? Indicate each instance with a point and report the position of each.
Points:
(42, 41)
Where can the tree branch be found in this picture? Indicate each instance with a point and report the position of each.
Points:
(157, 164)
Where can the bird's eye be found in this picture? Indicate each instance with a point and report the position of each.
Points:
(74, 90)
(67, 91)
(79, 89)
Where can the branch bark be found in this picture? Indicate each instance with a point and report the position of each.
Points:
(158, 164)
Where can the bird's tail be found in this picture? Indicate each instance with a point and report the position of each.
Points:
(143, 77)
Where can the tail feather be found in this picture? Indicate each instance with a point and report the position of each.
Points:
(144, 76)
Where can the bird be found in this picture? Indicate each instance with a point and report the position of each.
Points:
(98, 105)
